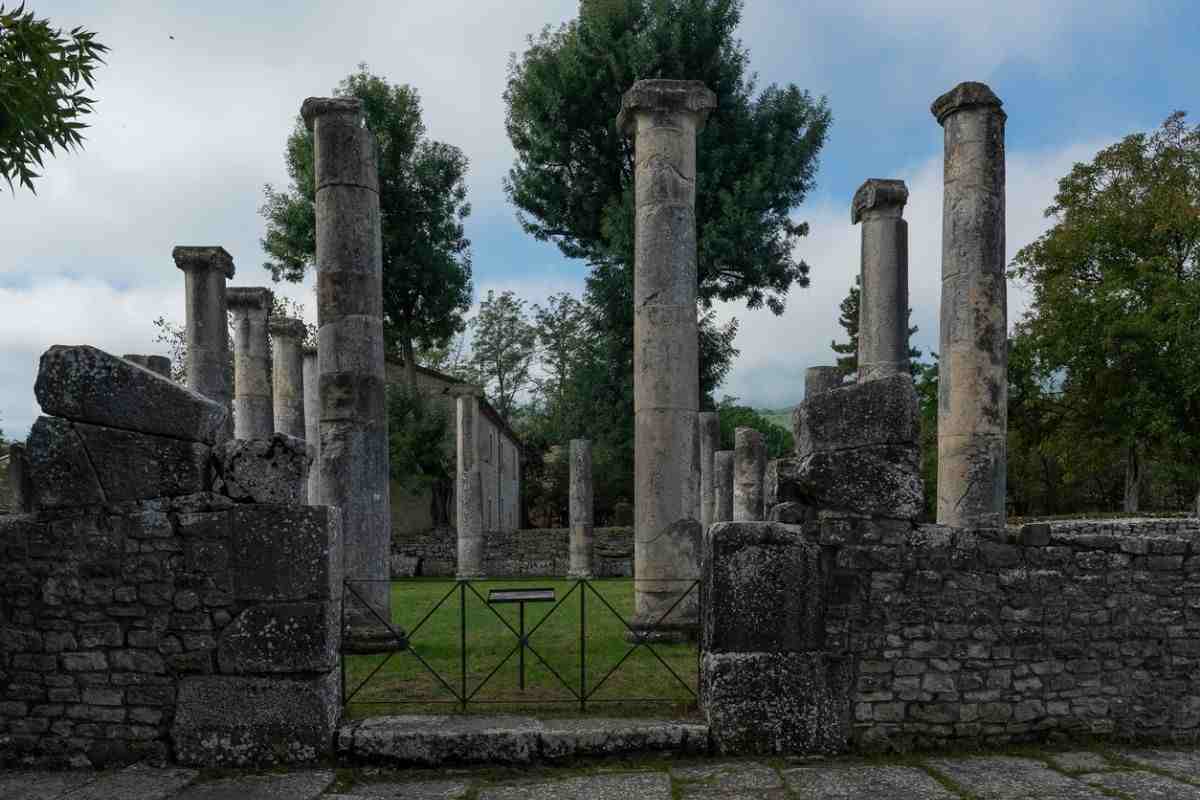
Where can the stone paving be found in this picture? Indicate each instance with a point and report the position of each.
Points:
(1126, 774)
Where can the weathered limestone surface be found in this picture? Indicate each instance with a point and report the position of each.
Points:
(18, 478)
(723, 486)
(160, 365)
(312, 422)
(469, 495)
(207, 325)
(663, 117)
(878, 412)
(973, 389)
(883, 312)
(253, 414)
(84, 384)
(287, 375)
(710, 441)
(582, 522)
(354, 446)
(272, 470)
(749, 475)
(822, 379)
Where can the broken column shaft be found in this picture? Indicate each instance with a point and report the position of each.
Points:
(582, 544)
(354, 442)
(723, 486)
(749, 475)
(883, 301)
(206, 324)
(287, 375)
(663, 117)
(710, 440)
(972, 387)
(254, 416)
(312, 423)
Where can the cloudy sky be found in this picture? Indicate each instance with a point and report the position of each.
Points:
(197, 99)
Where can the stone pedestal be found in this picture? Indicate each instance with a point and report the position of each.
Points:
(468, 495)
(710, 440)
(883, 310)
(312, 422)
(723, 486)
(582, 545)
(354, 441)
(749, 475)
(663, 116)
(254, 415)
(287, 375)
(207, 325)
(973, 387)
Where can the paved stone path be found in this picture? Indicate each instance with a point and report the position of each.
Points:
(1126, 774)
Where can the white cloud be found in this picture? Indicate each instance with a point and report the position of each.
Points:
(775, 351)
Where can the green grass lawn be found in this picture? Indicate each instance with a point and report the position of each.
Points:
(434, 632)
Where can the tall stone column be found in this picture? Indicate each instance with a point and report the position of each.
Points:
(883, 308)
(710, 440)
(973, 387)
(250, 307)
(287, 375)
(822, 379)
(206, 323)
(663, 117)
(354, 444)
(312, 422)
(749, 475)
(723, 486)
(468, 494)
(582, 545)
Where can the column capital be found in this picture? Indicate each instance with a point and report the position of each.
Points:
(194, 259)
(882, 196)
(287, 327)
(248, 298)
(967, 94)
(309, 350)
(314, 107)
(659, 95)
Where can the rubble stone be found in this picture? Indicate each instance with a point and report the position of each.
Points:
(271, 470)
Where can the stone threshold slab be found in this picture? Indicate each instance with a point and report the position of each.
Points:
(434, 740)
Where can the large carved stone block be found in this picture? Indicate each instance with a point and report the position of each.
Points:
(281, 637)
(139, 466)
(878, 412)
(84, 384)
(60, 473)
(879, 481)
(284, 553)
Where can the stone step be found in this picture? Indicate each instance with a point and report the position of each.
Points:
(434, 740)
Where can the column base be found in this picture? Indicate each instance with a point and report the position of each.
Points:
(581, 576)
(469, 576)
(370, 636)
(666, 632)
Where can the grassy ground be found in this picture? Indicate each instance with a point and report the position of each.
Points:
(375, 683)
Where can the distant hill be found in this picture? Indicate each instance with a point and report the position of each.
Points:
(778, 416)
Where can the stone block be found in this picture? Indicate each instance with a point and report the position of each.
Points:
(60, 473)
(283, 553)
(879, 412)
(18, 478)
(281, 637)
(272, 470)
(776, 703)
(880, 481)
(792, 513)
(84, 384)
(764, 589)
(241, 721)
(139, 466)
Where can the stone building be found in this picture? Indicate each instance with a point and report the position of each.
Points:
(499, 462)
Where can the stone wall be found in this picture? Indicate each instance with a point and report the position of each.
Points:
(938, 637)
(533, 552)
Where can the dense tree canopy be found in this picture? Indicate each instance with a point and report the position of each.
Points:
(422, 204)
(43, 73)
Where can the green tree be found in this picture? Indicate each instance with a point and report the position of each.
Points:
(420, 448)
(503, 349)
(1116, 293)
(422, 203)
(779, 440)
(42, 101)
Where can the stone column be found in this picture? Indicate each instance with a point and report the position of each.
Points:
(663, 117)
(973, 387)
(883, 308)
(312, 423)
(822, 379)
(160, 365)
(253, 414)
(723, 486)
(207, 324)
(354, 444)
(468, 494)
(710, 440)
(287, 375)
(749, 475)
(582, 545)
